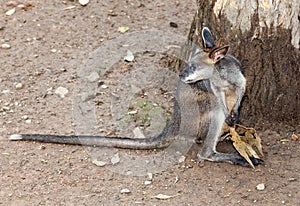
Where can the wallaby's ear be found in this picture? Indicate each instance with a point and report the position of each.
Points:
(208, 41)
(218, 53)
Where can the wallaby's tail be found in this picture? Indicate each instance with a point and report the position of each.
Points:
(130, 143)
(164, 139)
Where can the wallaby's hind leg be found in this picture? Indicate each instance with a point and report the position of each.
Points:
(208, 151)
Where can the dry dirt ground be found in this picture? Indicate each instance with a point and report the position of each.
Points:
(49, 42)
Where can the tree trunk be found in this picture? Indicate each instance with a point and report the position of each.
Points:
(264, 35)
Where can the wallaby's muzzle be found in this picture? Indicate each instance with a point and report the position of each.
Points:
(186, 72)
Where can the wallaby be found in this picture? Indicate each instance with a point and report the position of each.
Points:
(227, 80)
(216, 87)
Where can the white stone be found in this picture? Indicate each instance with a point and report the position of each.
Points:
(61, 91)
(181, 159)
(84, 2)
(125, 191)
(147, 182)
(19, 86)
(99, 163)
(150, 176)
(260, 187)
(5, 46)
(115, 159)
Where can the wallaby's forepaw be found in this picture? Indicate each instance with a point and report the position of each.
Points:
(232, 119)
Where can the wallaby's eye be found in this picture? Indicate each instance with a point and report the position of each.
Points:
(193, 67)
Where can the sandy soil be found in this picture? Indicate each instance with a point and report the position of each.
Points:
(50, 45)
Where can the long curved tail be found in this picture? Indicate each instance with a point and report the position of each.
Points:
(164, 139)
(129, 143)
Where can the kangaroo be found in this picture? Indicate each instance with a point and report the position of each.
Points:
(211, 83)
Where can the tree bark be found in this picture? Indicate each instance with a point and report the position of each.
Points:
(264, 35)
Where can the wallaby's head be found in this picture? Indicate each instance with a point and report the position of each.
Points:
(201, 64)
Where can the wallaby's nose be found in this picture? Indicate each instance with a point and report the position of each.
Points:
(184, 73)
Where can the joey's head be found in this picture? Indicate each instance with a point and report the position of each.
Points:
(202, 64)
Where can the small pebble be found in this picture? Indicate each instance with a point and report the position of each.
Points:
(83, 2)
(61, 91)
(25, 117)
(10, 12)
(21, 6)
(292, 179)
(147, 182)
(150, 176)
(125, 191)
(104, 86)
(28, 121)
(260, 187)
(181, 159)
(5, 46)
(99, 163)
(115, 159)
(19, 86)
(6, 91)
(295, 137)
(42, 147)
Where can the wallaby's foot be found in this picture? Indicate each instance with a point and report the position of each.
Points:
(229, 158)
(241, 161)
(256, 161)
